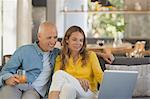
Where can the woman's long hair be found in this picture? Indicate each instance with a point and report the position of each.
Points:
(65, 53)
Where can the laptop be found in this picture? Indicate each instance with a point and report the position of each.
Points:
(117, 84)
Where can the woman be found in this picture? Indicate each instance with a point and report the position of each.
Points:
(77, 70)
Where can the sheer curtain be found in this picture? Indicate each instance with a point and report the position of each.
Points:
(24, 22)
(7, 27)
(15, 25)
(0, 32)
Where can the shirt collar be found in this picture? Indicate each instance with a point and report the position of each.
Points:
(35, 44)
(39, 50)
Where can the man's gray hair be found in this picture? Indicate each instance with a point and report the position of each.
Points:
(43, 25)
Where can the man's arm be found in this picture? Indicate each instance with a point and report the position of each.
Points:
(108, 57)
(10, 67)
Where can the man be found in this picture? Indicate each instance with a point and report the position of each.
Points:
(37, 60)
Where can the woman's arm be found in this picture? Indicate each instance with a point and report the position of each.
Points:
(98, 73)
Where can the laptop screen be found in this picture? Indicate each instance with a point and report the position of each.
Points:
(117, 84)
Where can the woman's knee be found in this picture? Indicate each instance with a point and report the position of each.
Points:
(68, 87)
(68, 91)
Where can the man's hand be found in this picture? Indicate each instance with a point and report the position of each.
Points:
(109, 58)
(12, 80)
(84, 83)
(107, 55)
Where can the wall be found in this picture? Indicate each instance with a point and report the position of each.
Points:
(137, 25)
(65, 20)
(24, 22)
(38, 16)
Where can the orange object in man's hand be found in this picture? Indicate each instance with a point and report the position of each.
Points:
(22, 79)
(22, 76)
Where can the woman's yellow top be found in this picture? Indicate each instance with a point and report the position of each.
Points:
(91, 71)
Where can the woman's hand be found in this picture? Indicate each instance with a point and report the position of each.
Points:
(84, 83)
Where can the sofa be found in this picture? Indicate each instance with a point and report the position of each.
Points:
(142, 87)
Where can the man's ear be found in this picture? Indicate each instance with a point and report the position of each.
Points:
(38, 36)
